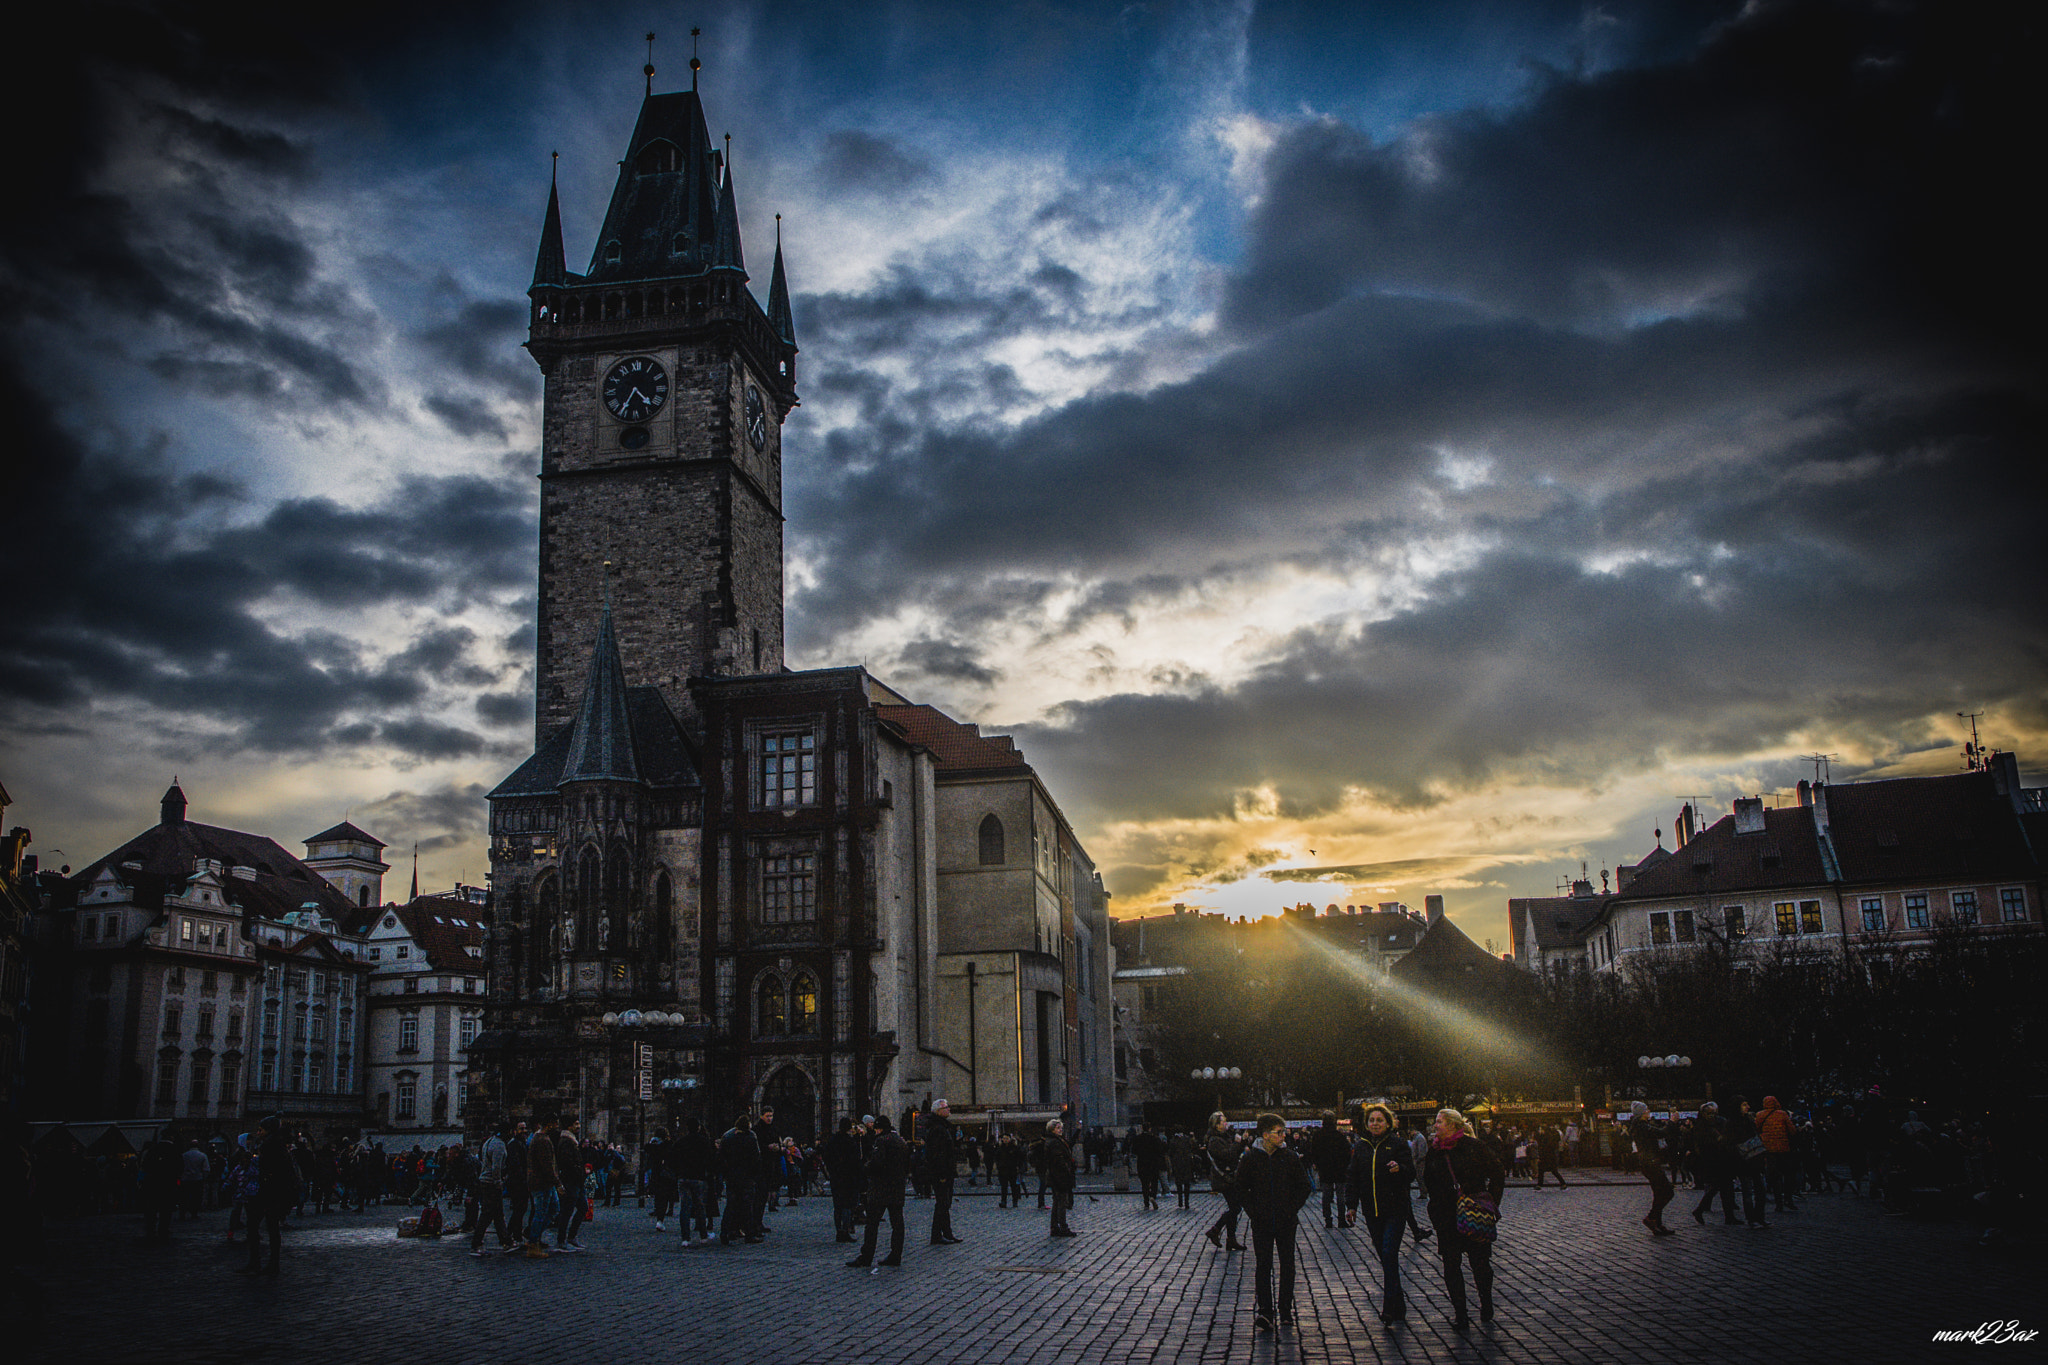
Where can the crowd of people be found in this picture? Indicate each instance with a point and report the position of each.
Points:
(531, 1189)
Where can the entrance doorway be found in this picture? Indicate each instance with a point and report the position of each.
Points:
(795, 1101)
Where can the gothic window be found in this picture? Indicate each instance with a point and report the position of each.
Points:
(789, 886)
(774, 1011)
(991, 841)
(657, 157)
(803, 1004)
(789, 769)
(617, 894)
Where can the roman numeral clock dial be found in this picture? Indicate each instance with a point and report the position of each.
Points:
(635, 388)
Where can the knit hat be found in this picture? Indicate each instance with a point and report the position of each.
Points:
(1638, 1107)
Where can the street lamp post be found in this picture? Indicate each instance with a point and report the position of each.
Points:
(1672, 1062)
(1217, 1073)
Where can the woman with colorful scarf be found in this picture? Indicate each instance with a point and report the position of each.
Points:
(1460, 1164)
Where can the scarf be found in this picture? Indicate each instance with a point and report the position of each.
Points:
(1443, 1146)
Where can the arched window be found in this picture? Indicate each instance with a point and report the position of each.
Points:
(991, 841)
(774, 1011)
(664, 927)
(803, 1004)
(363, 897)
(659, 156)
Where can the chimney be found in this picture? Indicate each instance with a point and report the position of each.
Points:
(1805, 792)
(1433, 908)
(1749, 815)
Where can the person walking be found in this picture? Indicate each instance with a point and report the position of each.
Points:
(941, 1164)
(1272, 1186)
(276, 1191)
(1418, 1151)
(768, 1175)
(843, 1168)
(694, 1157)
(658, 1178)
(1775, 1126)
(1009, 1161)
(1059, 1177)
(1183, 1158)
(888, 1167)
(1221, 1149)
(543, 1187)
(1643, 1138)
(739, 1161)
(570, 1168)
(1547, 1156)
(1713, 1165)
(490, 1193)
(1382, 1168)
(1749, 1168)
(1148, 1153)
(1331, 1152)
(1459, 1164)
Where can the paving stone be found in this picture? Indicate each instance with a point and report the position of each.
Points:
(1578, 1280)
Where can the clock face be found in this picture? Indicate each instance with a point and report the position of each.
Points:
(757, 418)
(635, 388)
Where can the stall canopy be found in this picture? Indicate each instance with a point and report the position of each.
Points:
(101, 1137)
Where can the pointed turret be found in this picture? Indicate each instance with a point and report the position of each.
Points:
(778, 294)
(601, 744)
(549, 267)
(172, 808)
(725, 250)
(663, 217)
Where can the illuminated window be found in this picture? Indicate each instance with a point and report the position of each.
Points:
(1809, 917)
(774, 1012)
(1788, 917)
(803, 1004)
(789, 769)
(1734, 921)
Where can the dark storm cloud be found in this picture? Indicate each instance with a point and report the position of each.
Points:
(946, 659)
(481, 342)
(853, 160)
(465, 416)
(457, 812)
(164, 610)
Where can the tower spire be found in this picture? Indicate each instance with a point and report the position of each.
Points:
(695, 65)
(725, 247)
(548, 266)
(649, 68)
(778, 294)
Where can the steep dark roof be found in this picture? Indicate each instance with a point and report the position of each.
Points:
(1940, 828)
(167, 854)
(955, 745)
(549, 267)
(446, 929)
(601, 737)
(778, 294)
(1718, 860)
(344, 832)
(666, 221)
(1446, 955)
(1559, 921)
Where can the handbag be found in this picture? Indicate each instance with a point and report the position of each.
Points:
(1478, 1216)
(1751, 1150)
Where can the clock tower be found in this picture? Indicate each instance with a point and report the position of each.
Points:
(666, 385)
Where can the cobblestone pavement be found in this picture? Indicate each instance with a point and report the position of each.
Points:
(1579, 1280)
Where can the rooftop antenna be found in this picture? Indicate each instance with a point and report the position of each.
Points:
(1821, 771)
(554, 166)
(649, 68)
(1973, 752)
(695, 65)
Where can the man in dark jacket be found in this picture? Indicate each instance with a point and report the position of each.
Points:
(1331, 1151)
(1272, 1185)
(940, 1164)
(888, 1167)
(1148, 1153)
(569, 1165)
(769, 1176)
(276, 1191)
(1711, 1165)
(1548, 1141)
(1059, 1177)
(843, 1164)
(739, 1161)
(1644, 1136)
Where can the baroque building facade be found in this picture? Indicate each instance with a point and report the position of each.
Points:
(718, 883)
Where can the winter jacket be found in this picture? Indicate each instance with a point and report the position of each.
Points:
(540, 1163)
(1332, 1152)
(1774, 1125)
(1272, 1185)
(888, 1167)
(1059, 1165)
(1222, 1151)
(1469, 1166)
(1378, 1190)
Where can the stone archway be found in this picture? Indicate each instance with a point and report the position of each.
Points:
(795, 1101)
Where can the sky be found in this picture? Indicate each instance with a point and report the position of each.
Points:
(1361, 451)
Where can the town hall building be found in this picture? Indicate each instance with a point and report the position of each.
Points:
(719, 883)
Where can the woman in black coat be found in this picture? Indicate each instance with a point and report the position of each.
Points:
(1456, 1162)
(1381, 1169)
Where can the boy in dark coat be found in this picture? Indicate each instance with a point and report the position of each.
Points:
(1272, 1185)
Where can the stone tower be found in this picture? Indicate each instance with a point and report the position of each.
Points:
(661, 442)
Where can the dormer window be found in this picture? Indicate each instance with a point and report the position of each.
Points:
(611, 252)
(680, 245)
(658, 157)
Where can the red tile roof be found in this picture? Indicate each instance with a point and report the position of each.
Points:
(446, 929)
(953, 744)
